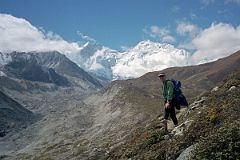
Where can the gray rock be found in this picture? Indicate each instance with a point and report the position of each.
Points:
(181, 128)
(187, 154)
(197, 104)
(232, 88)
(215, 89)
(166, 137)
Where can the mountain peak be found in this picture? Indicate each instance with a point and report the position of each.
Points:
(148, 56)
(47, 67)
(148, 44)
(145, 57)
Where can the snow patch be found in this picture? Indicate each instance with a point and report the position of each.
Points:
(5, 59)
(2, 74)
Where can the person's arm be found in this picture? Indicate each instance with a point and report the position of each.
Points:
(170, 89)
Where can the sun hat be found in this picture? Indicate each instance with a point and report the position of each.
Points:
(161, 74)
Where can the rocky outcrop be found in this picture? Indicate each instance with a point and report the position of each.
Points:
(188, 153)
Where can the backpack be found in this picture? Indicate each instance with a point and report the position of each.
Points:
(180, 98)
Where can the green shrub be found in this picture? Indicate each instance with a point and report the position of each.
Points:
(224, 144)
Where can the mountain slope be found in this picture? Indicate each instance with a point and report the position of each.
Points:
(64, 66)
(125, 115)
(47, 67)
(111, 122)
(29, 69)
(210, 130)
(134, 103)
(12, 115)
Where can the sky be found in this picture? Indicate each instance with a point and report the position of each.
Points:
(122, 24)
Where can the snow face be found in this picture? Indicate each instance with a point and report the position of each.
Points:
(145, 57)
(2, 74)
(96, 59)
(5, 58)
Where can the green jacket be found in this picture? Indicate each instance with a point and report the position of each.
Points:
(168, 90)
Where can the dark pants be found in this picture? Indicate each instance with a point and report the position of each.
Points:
(171, 111)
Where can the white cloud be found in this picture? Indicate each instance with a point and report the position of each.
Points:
(155, 31)
(125, 48)
(186, 28)
(84, 37)
(160, 32)
(186, 45)
(217, 41)
(17, 34)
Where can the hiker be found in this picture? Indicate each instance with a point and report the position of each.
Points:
(169, 101)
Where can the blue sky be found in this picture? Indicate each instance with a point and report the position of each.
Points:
(124, 23)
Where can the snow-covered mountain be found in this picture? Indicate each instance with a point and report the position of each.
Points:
(96, 59)
(146, 56)
(107, 64)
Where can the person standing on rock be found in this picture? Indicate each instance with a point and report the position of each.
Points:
(169, 101)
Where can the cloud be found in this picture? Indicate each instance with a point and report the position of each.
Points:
(125, 48)
(17, 34)
(186, 28)
(84, 37)
(160, 32)
(217, 41)
(187, 45)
